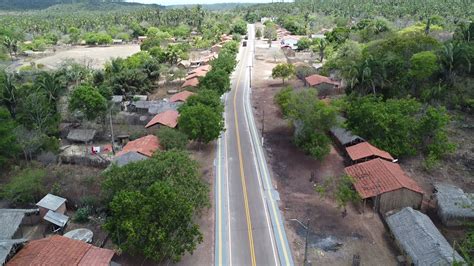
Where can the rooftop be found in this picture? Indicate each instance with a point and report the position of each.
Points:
(453, 202)
(201, 68)
(146, 145)
(193, 82)
(60, 250)
(51, 202)
(365, 150)
(316, 79)
(420, 239)
(128, 157)
(81, 135)
(181, 96)
(378, 176)
(56, 218)
(167, 118)
(344, 136)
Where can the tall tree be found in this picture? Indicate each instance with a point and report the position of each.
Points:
(201, 123)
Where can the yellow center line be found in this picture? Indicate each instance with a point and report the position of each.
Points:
(242, 176)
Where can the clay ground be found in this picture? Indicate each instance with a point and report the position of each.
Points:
(333, 240)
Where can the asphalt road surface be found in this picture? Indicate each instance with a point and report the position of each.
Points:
(249, 226)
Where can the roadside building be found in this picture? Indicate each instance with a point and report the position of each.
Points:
(181, 96)
(81, 135)
(325, 85)
(365, 151)
(167, 118)
(53, 203)
(455, 207)
(216, 48)
(289, 42)
(184, 64)
(141, 106)
(11, 231)
(161, 106)
(205, 68)
(419, 239)
(385, 184)
(145, 146)
(117, 41)
(60, 250)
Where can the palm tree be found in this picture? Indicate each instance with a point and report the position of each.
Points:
(50, 84)
(8, 93)
(11, 45)
(321, 45)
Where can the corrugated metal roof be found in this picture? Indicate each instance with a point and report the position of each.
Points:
(60, 250)
(365, 150)
(128, 157)
(146, 145)
(454, 204)
(81, 135)
(167, 118)
(56, 218)
(51, 202)
(378, 176)
(345, 136)
(181, 96)
(420, 239)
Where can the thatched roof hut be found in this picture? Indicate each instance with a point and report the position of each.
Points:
(455, 207)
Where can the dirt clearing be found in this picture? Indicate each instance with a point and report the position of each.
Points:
(333, 239)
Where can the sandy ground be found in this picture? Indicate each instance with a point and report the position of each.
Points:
(94, 57)
(334, 240)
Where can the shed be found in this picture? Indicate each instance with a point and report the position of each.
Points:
(181, 96)
(161, 106)
(419, 239)
(81, 234)
(455, 207)
(53, 203)
(146, 146)
(386, 184)
(365, 151)
(344, 137)
(60, 250)
(56, 218)
(325, 85)
(167, 118)
(141, 106)
(205, 68)
(81, 135)
(128, 157)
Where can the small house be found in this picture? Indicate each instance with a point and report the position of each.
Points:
(53, 203)
(145, 146)
(181, 96)
(191, 83)
(60, 250)
(365, 151)
(141, 39)
(216, 48)
(385, 184)
(205, 68)
(161, 106)
(81, 135)
(419, 239)
(289, 42)
(117, 41)
(128, 157)
(167, 118)
(455, 207)
(325, 85)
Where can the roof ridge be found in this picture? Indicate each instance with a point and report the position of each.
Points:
(391, 173)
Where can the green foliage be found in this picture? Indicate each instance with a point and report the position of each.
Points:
(338, 35)
(466, 247)
(402, 127)
(209, 98)
(283, 98)
(304, 43)
(226, 62)
(82, 215)
(239, 27)
(153, 204)
(89, 101)
(258, 33)
(315, 144)
(92, 38)
(345, 192)
(172, 139)
(217, 79)
(423, 65)
(283, 71)
(8, 147)
(25, 187)
(201, 123)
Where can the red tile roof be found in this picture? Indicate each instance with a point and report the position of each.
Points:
(60, 250)
(364, 150)
(190, 83)
(205, 68)
(146, 145)
(168, 118)
(181, 96)
(316, 79)
(379, 176)
(195, 74)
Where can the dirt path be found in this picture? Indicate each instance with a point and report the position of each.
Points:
(333, 240)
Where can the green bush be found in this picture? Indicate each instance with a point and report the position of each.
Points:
(172, 139)
(82, 215)
(25, 187)
(283, 98)
(314, 143)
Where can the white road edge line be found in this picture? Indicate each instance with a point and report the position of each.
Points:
(227, 185)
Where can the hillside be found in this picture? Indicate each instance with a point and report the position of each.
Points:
(212, 7)
(24, 5)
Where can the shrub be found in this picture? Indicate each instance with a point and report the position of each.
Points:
(25, 187)
(172, 139)
(314, 143)
(283, 98)
(82, 215)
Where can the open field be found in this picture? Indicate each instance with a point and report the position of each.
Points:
(94, 57)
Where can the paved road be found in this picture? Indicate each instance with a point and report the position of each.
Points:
(249, 226)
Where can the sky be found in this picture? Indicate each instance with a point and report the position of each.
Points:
(181, 2)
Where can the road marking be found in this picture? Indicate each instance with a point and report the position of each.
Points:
(219, 200)
(242, 176)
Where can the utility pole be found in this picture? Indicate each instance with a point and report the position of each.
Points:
(111, 130)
